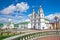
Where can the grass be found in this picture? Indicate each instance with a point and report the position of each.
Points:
(4, 35)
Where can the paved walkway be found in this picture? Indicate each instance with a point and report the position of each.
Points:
(50, 38)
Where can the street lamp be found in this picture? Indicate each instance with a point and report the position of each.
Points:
(56, 20)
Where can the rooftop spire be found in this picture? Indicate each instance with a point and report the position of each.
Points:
(40, 6)
(33, 10)
(40, 9)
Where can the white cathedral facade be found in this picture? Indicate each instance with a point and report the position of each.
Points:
(38, 21)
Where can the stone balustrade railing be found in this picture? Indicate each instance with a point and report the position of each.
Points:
(32, 35)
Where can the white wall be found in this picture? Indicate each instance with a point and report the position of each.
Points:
(29, 25)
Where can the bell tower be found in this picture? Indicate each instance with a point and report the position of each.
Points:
(41, 19)
(33, 19)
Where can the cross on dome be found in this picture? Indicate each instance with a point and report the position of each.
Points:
(40, 6)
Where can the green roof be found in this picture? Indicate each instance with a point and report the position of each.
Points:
(46, 19)
(1, 24)
(16, 25)
(24, 22)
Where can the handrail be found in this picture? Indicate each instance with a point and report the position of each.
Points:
(34, 35)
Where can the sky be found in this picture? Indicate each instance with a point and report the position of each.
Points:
(20, 10)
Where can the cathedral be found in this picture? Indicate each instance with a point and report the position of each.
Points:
(38, 20)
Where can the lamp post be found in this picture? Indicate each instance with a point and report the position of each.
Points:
(56, 20)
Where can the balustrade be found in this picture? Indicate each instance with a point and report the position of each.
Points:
(36, 34)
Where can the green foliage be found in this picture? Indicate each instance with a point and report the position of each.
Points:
(2, 37)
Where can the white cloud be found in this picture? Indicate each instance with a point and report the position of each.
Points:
(51, 16)
(9, 9)
(22, 7)
(27, 20)
(29, 15)
(9, 20)
(18, 16)
(3, 19)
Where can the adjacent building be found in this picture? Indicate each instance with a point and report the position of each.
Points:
(8, 25)
(25, 25)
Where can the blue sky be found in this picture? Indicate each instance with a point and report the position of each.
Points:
(12, 9)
